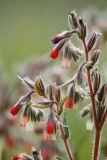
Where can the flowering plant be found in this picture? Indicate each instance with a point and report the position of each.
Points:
(47, 102)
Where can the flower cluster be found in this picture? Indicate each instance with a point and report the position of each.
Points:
(47, 103)
(63, 44)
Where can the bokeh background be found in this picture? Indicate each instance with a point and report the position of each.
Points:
(26, 30)
(27, 26)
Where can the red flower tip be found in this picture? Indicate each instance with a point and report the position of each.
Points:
(46, 152)
(9, 140)
(54, 53)
(46, 137)
(15, 109)
(23, 120)
(57, 39)
(17, 157)
(69, 102)
(50, 127)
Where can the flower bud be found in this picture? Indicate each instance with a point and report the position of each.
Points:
(50, 124)
(61, 36)
(73, 51)
(55, 52)
(57, 94)
(72, 19)
(50, 91)
(57, 39)
(15, 109)
(39, 87)
(81, 31)
(93, 60)
(91, 41)
(101, 93)
(100, 111)
(17, 157)
(69, 103)
(95, 56)
(50, 127)
(97, 81)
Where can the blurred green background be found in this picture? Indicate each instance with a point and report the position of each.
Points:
(27, 26)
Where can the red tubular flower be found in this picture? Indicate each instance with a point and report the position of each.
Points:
(23, 120)
(46, 137)
(57, 39)
(54, 53)
(15, 109)
(9, 140)
(17, 157)
(50, 127)
(69, 103)
(46, 152)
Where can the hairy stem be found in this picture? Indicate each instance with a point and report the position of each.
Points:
(97, 130)
(103, 120)
(96, 144)
(90, 86)
(65, 140)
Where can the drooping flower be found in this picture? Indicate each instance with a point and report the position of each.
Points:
(50, 124)
(57, 39)
(50, 127)
(61, 36)
(17, 157)
(23, 120)
(15, 109)
(54, 53)
(46, 152)
(69, 103)
(46, 137)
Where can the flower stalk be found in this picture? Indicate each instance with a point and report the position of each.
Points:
(96, 145)
(92, 96)
(90, 85)
(64, 140)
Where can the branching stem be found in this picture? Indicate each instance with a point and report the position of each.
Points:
(92, 96)
(90, 86)
(64, 140)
